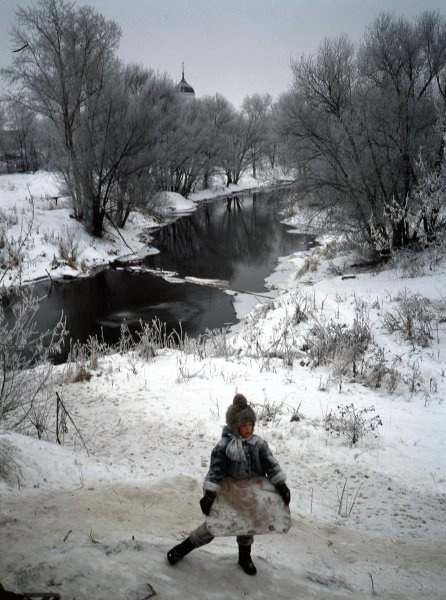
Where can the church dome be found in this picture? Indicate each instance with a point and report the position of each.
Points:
(184, 87)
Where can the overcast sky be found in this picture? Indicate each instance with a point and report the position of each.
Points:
(234, 47)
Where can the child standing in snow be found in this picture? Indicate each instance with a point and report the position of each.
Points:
(239, 454)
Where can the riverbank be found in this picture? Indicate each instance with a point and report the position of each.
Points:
(41, 240)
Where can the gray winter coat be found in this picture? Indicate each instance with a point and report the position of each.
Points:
(256, 460)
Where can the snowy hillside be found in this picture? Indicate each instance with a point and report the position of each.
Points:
(368, 519)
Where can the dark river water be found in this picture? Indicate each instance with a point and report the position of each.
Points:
(238, 240)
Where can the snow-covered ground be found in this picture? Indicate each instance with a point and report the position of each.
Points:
(97, 526)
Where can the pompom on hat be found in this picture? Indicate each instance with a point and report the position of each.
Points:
(239, 412)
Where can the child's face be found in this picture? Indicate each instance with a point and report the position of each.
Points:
(245, 429)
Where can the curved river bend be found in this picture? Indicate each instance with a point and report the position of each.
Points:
(238, 239)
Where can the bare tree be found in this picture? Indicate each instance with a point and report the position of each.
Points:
(183, 156)
(25, 127)
(257, 109)
(65, 56)
(243, 137)
(236, 147)
(358, 120)
(402, 61)
(218, 114)
(120, 136)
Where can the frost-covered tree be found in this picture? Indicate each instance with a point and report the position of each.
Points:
(257, 109)
(109, 120)
(218, 114)
(150, 117)
(63, 59)
(242, 136)
(184, 153)
(357, 121)
(401, 61)
(119, 137)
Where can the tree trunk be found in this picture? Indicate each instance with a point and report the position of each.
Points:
(97, 219)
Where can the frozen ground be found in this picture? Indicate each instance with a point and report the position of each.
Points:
(98, 526)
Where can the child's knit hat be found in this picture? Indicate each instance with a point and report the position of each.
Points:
(238, 412)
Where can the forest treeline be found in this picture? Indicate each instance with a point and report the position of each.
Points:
(361, 128)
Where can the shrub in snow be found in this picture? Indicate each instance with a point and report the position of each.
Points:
(8, 219)
(373, 369)
(25, 354)
(311, 264)
(212, 343)
(340, 345)
(25, 365)
(12, 248)
(296, 415)
(428, 218)
(76, 369)
(269, 411)
(415, 317)
(84, 357)
(352, 423)
(186, 371)
(69, 247)
(301, 307)
(217, 342)
(151, 337)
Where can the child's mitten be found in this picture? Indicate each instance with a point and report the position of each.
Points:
(284, 491)
(206, 502)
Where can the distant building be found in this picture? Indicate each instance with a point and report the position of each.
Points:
(184, 88)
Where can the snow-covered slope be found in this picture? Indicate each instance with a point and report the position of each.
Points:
(97, 526)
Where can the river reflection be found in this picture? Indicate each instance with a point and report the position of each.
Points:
(238, 240)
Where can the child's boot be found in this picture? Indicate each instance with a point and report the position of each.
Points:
(244, 560)
(178, 552)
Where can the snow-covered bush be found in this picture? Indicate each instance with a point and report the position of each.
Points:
(153, 336)
(12, 247)
(269, 411)
(301, 307)
(76, 367)
(212, 343)
(25, 355)
(352, 423)
(339, 345)
(8, 218)
(69, 246)
(430, 199)
(310, 264)
(415, 317)
(373, 370)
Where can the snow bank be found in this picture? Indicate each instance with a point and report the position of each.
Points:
(168, 202)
